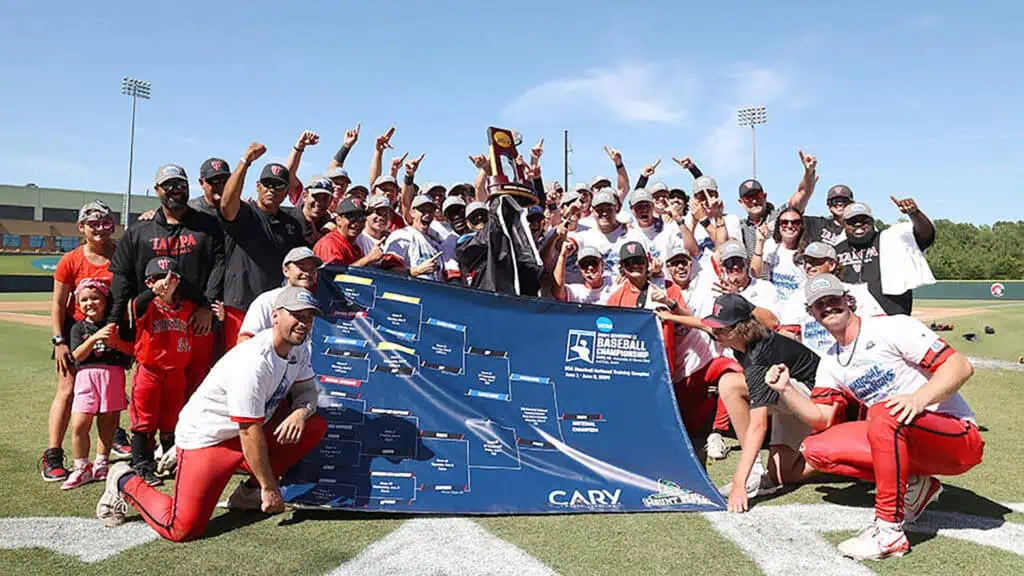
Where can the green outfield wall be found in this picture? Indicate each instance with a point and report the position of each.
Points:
(972, 290)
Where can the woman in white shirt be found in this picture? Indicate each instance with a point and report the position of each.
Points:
(774, 259)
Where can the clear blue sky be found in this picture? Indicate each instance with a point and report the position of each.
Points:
(914, 100)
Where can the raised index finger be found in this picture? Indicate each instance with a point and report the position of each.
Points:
(658, 161)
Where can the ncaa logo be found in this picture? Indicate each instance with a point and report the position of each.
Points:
(579, 347)
(997, 289)
(604, 324)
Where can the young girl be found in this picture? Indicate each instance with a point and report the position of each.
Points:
(101, 358)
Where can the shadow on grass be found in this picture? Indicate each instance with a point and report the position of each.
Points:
(954, 499)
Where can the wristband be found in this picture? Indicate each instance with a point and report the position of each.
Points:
(758, 254)
(341, 154)
(674, 306)
(705, 222)
(297, 149)
(409, 179)
(619, 166)
(244, 161)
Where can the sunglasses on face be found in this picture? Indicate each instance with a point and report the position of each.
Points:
(355, 217)
(604, 210)
(827, 302)
(751, 196)
(590, 264)
(839, 202)
(790, 223)
(859, 221)
(100, 224)
(734, 263)
(273, 185)
(814, 262)
(427, 209)
(477, 218)
(552, 206)
(679, 263)
(384, 213)
(633, 263)
(677, 196)
(174, 185)
(218, 181)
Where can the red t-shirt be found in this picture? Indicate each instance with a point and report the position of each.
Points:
(163, 338)
(75, 267)
(335, 248)
(397, 221)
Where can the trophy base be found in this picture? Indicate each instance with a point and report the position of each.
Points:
(523, 194)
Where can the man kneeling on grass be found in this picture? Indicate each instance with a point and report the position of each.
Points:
(917, 423)
(230, 422)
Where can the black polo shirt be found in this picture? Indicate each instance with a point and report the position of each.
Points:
(256, 244)
(775, 349)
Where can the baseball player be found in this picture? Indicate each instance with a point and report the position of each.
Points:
(917, 423)
(230, 422)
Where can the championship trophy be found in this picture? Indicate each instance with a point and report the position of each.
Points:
(508, 174)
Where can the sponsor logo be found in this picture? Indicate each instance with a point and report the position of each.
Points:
(588, 499)
(48, 264)
(605, 348)
(502, 139)
(580, 346)
(671, 494)
(997, 289)
(604, 324)
(820, 284)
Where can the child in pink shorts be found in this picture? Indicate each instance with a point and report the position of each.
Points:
(101, 358)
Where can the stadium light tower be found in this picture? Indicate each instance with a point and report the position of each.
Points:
(752, 116)
(136, 89)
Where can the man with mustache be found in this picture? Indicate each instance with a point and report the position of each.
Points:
(233, 422)
(890, 262)
(917, 423)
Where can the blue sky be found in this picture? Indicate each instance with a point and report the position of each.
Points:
(919, 99)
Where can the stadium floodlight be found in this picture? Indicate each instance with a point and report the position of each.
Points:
(752, 116)
(136, 89)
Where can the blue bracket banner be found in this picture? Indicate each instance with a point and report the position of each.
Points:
(442, 399)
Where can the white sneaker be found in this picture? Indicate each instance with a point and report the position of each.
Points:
(877, 541)
(921, 491)
(715, 447)
(759, 483)
(112, 507)
(167, 463)
(245, 498)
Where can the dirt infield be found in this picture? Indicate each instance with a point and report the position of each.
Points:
(30, 319)
(926, 314)
(37, 306)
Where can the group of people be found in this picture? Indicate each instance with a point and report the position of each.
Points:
(780, 327)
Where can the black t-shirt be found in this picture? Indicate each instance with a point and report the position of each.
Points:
(860, 266)
(256, 244)
(81, 332)
(310, 231)
(822, 229)
(775, 349)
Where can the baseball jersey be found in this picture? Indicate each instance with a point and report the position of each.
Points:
(813, 334)
(415, 248)
(892, 355)
(607, 244)
(259, 316)
(163, 337)
(656, 240)
(583, 294)
(762, 294)
(246, 385)
(336, 248)
(706, 246)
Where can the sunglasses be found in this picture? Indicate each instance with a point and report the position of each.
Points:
(734, 262)
(354, 216)
(174, 185)
(273, 185)
(859, 221)
(814, 262)
(590, 263)
(631, 263)
(100, 224)
(477, 218)
(218, 181)
(839, 202)
(753, 196)
(552, 206)
(677, 196)
(604, 209)
(790, 223)
(679, 263)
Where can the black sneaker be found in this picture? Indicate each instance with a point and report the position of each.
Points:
(52, 465)
(122, 448)
(147, 471)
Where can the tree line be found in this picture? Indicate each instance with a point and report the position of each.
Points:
(965, 251)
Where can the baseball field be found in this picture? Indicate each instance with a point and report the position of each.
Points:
(977, 527)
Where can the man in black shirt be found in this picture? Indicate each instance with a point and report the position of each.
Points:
(258, 235)
(213, 175)
(750, 400)
(859, 254)
(830, 230)
(312, 209)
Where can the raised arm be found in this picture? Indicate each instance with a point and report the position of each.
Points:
(798, 201)
(231, 199)
(307, 138)
(687, 164)
(483, 170)
(757, 269)
(409, 186)
(558, 287)
(622, 178)
(924, 230)
(646, 174)
(351, 136)
(376, 164)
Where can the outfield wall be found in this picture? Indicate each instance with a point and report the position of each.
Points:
(972, 290)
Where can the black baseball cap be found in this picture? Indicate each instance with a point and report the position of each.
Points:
(160, 266)
(839, 191)
(349, 207)
(212, 168)
(749, 186)
(729, 310)
(632, 250)
(276, 172)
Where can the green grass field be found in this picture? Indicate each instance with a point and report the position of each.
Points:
(664, 543)
(22, 264)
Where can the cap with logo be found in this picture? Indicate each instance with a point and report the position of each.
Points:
(336, 172)
(632, 250)
(214, 167)
(731, 249)
(705, 184)
(749, 187)
(640, 195)
(817, 250)
(299, 254)
(160, 266)
(296, 299)
(358, 190)
(320, 185)
(475, 206)
(604, 197)
(570, 196)
(378, 201)
(534, 213)
(840, 191)
(426, 189)
(822, 285)
(97, 209)
(856, 209)
(384, 179)
(600, 182)
(675, 250)
(275, 173)
(422, 200)
(169, 172)
(452, 202)
(657, 188)
(350, 207)
(588, 252)
(460, 188)
(729, 310)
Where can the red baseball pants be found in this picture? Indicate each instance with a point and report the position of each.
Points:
(157, 398)
(202, 476)
(232, 324)
(695, 405)
(883, 451)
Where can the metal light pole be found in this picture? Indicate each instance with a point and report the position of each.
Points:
(136, 89)
(565, 160)
(752, 116)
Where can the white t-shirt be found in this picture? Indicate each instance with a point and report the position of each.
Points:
(705, 245)
(258, 317)
(788, 279)
(762, 294)
(657, 240)
(694, 350)
(450, 257)
(893, 355)
(246, 385)
(583, 294)
(700, 297)
(814, 335)
(415, 248)
(366, 242)
(442, 229)
(607, 244)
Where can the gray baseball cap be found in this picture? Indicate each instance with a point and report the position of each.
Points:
(570, 196)
(464, 187)
(431, 185)
(453, 201)
(474, 206)
(336, 172)
(594, 184)
(169, 172)
(588, 252)
(378, 201)
(581, 187)
(640, 195)
(657, 187)
(299, 254)
(360, 189)
(320, 185)
(821, 286)
(856, 209)
(422, 200)
(731, 249)
(676, 250)
(604, 197)
(704, 184)
(94, 209)
(816, 250)
(384, 179)
(295, 299)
